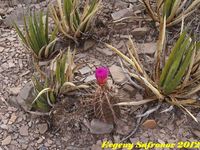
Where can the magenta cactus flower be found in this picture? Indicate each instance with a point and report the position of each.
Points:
(101, 75)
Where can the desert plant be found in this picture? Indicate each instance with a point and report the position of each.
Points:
(58, 82)
(104, 98)
(174, 10)
(179, 78)
(71, 20)
(36, 38)
(46, 97)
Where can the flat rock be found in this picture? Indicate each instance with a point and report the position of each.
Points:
(105, 51)
(6, 141)
(117, 74)
(85, 70)
(25, 97)
(90, 78)
(147, 48)
(42, 128)
(121, 14)
(1, 49)
(4, 126)
(196, 132)
(140, 31)
(99, 127)
(88, 44)
(40, 140)
(12, 118)
(23, 130)
(11, 39)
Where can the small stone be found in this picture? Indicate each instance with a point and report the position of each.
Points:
(85, 70)
(99, 127)
(128, 88)
(139, 31)
(196, 132)
(110, 83)
(15, 90)
(24, 98)
(121, 14)
(12, 118)
(6, 141)
(42, 128)
(29, 123)
(4, 126)
(150, 124)
(105, 51)
(49, 141)
(30, 148)
(25, 73)
(20, 63)
(11, 39)
(40, 140)
(88, 44)
(11, 64)
(90, 78)
(4, 66)
(117, 74)
(43, 147)
(24, 146)
(147, 48)
(23, 130)
(1, 49)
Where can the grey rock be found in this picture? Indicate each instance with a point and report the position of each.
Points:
(85, 70)
(121, 14)
(30, 148)
(24, 146)
(43, 148)
(117, 74)
(42, 128)
(147, 48)
(23, 130)
(90, 78)
(25, 97)
(40, 140)
(6, 141)
(88, 44)
(1, 49)
(105, 51)
(4, 126)
(140, 31)
(196, 132)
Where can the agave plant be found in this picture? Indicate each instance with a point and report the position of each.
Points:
(174, 10)
(45, 96)
(179, 78)
(36, 36)
(59, 82)
(71, 20)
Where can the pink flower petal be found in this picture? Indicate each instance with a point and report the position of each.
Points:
(101, 75)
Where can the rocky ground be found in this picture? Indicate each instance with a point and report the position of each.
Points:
(21, 130)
